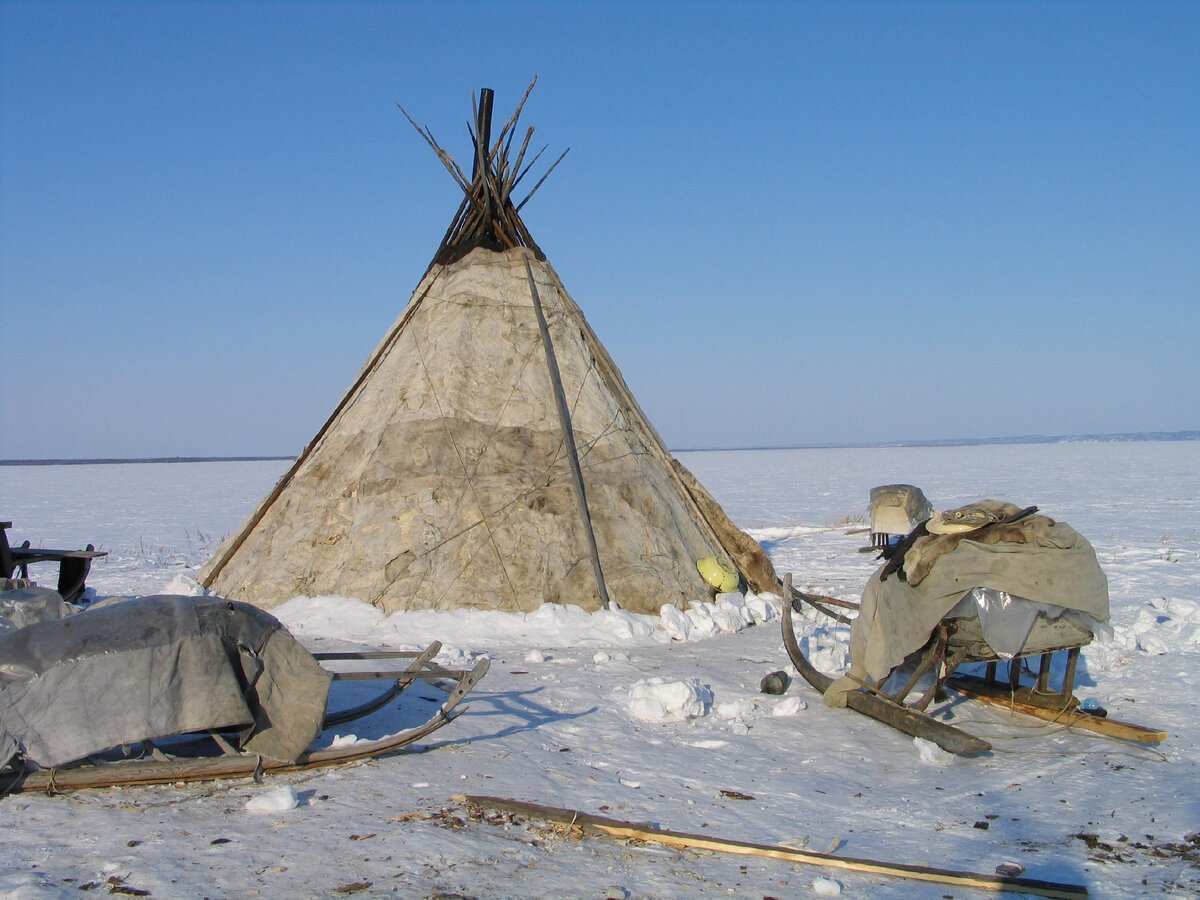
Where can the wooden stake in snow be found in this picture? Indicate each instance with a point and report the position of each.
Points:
(646, 832)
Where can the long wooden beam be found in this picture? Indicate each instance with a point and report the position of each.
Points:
(645, 832)
(1003, 698)
(568, 433)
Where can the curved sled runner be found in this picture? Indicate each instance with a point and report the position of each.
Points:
(902, 718)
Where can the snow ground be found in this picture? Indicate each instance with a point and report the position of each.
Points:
(608, 714)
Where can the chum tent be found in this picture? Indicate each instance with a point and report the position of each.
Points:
(489, 454)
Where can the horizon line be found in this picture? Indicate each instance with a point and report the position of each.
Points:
(1112, 437)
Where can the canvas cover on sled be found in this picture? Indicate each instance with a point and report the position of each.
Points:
(1055, 566)
(155, 667)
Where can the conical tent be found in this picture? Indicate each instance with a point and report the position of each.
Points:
(488, 455)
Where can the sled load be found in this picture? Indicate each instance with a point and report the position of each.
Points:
(166, 689)
(895, 510)
(988, 583)
(489, 454)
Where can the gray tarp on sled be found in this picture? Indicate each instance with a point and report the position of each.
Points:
(154, 667)
(24, 606)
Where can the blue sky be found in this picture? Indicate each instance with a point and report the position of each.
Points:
(790, 223)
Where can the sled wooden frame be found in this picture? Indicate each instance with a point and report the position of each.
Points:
(73, 565)
(232, 763)
(956, 642)
(421, 668)
(902, 718)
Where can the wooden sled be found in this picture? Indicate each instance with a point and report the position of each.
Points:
(910, 721)
(73, 565)
(957, 642)
(212, 756)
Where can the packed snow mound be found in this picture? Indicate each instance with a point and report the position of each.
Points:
(826, 887)
(278, 800)
(668, 701)
(1163, 625)
(931, 754)
(828, 648)
(789, 706)
(550, 625)
(728, 614)
(737, 708)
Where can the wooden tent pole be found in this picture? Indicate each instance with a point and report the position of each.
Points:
(619, 828)
(483, 131)
(564, 418)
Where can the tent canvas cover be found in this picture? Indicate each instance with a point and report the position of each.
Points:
(489, 453)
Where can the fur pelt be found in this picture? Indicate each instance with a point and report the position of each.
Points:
(926, 551)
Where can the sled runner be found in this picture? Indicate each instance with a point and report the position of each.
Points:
(1037, 700)
(177, 689)
(883, 709)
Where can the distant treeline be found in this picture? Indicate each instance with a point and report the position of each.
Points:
(975, 442)
(154, 459)
(947, 442)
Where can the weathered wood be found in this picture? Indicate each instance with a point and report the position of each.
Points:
(818, 602)
(73, 565)
(999, 696)
(491, 219)
(949, 666)
(483, 131)
(534, 189)
(640, 831)
(827, 601)
(902, 718)
(1038, 701)
(933, 654)
(1068, 685)
(402, 681)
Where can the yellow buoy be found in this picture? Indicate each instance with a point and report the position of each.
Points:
(718, 572)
